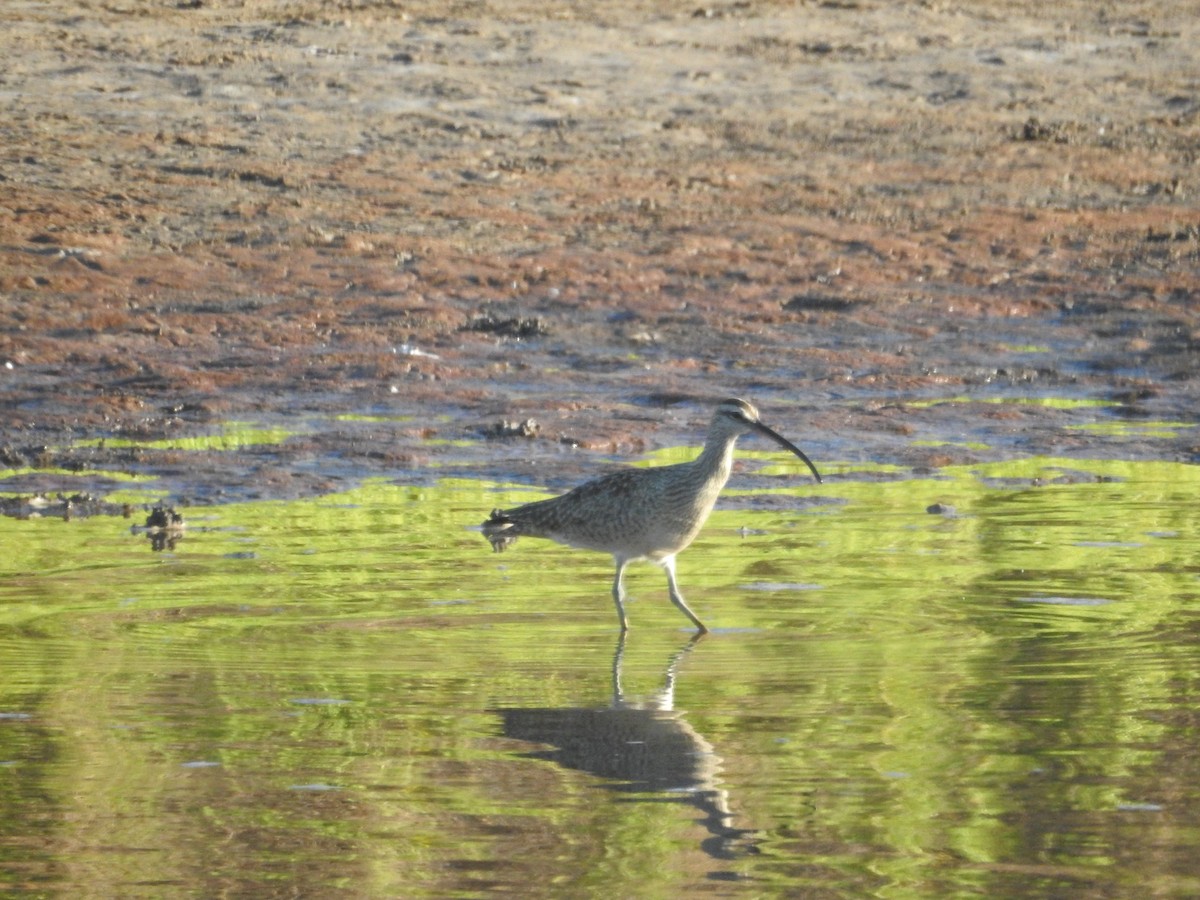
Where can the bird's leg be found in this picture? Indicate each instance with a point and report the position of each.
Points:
(668, 565)
(619, 593)
(617, 663)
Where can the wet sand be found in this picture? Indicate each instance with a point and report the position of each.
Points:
(442, 217)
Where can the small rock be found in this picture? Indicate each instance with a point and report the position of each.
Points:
(818, 303)
(514, 326)
(164, 517)
(506, 429)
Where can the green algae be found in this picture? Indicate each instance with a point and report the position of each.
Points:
(230, 436)
(1137, 430)
(68, 475)
(1048, 402)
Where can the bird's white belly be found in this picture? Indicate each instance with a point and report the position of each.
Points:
(651, 544)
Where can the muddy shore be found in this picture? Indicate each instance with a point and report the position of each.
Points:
(390, 228)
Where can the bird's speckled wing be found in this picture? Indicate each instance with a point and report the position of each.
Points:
(608, 513)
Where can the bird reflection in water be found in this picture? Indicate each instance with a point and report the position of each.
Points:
(640, 747)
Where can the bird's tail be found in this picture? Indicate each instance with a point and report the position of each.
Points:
(500, 530)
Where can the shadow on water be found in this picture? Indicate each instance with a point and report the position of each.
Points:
(642, 748)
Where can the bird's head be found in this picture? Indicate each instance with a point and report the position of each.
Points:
(737, 417)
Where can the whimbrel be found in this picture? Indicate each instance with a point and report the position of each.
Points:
(641, 513)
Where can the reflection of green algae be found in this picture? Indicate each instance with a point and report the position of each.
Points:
(233, 436)
(363, 639)
(1050, 402)
(1135, 429)
(1041, 467)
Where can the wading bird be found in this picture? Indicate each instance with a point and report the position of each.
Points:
(635, 514)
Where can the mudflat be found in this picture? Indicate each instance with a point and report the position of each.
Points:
(404, 230)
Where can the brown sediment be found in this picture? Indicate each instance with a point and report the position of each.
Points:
(597, 217)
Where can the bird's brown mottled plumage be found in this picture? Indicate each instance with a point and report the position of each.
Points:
(641, 513)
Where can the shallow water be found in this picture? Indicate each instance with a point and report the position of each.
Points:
(353, 696)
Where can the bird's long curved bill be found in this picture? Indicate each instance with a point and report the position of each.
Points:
(784, 442)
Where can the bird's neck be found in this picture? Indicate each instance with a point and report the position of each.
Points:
(715, 461)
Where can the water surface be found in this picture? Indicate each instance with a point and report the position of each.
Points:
(352, 696)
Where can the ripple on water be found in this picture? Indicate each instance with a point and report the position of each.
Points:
(780, 586)
(1066, 601)
(884, 695)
